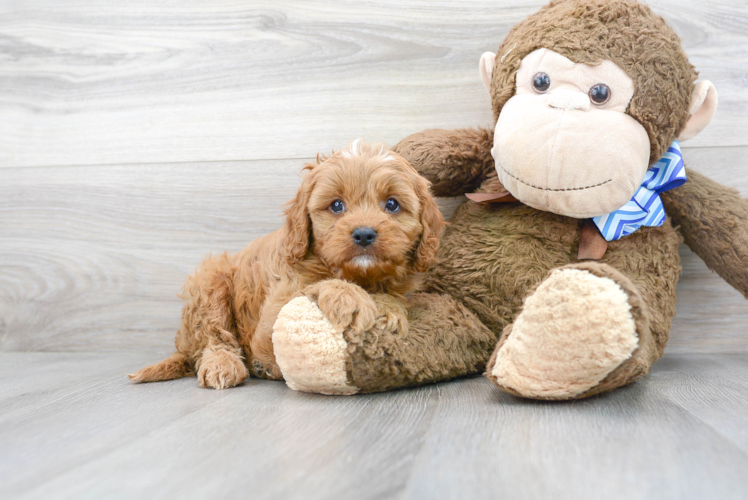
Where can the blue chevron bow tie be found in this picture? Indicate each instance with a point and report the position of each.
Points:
(645, 207)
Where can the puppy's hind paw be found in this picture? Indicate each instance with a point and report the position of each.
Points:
(221, 369)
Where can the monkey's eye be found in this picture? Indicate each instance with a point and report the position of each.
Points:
(392, 205)
(600, 93)
(541, 82)
(337, 207)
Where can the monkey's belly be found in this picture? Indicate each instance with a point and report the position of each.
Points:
(492, 255)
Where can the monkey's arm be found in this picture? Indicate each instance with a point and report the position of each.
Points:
(455, 161)
(714, 222)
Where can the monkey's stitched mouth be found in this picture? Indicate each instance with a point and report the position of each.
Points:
(549, 189)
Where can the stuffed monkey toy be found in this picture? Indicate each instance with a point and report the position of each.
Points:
(566, 252)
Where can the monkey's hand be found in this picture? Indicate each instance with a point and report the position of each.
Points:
(454, 161)
(714, 222)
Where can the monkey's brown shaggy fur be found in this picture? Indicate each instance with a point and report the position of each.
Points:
(517, 267)
(494, 256)
(234, 300)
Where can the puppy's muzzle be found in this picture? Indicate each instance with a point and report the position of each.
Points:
(364, 236)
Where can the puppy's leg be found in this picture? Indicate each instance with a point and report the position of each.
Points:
(221, 366)
(208, 326)
(346, 305)
(262, 362)
(205, 341)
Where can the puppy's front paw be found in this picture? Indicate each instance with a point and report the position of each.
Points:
(392, 315)
(221, 369)
(346, 305)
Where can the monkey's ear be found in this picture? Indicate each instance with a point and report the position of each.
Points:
(703, 106)
(487, 61)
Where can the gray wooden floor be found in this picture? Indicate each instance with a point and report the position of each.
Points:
(71, 426)
(136, 137)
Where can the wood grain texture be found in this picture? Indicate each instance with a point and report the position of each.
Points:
(633, 443)
(104, 82)
(712, 388)
(136, 137)
(677, 434)
(92, 258)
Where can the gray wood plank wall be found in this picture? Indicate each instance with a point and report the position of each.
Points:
(136, 137)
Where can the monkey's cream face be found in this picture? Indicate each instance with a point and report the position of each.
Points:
(564, 143)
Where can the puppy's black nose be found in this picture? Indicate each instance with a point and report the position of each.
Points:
(364, 236)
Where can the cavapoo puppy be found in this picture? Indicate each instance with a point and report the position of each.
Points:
(362, 225)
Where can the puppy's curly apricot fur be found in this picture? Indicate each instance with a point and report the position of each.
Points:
(233, 299)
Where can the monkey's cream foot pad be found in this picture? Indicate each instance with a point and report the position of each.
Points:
(309, 350)
(572, 332)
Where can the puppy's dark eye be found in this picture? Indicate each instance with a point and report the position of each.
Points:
(392, 205)
(337, 207)
(600, 93)
(541, 82)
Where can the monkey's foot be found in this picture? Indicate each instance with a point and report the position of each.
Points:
(309, 350)
(574, 332)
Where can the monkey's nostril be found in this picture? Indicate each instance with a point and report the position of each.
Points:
(364, 236)
(569, 100)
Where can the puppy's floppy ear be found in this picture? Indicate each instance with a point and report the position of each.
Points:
(432, 221)
(298, 224)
